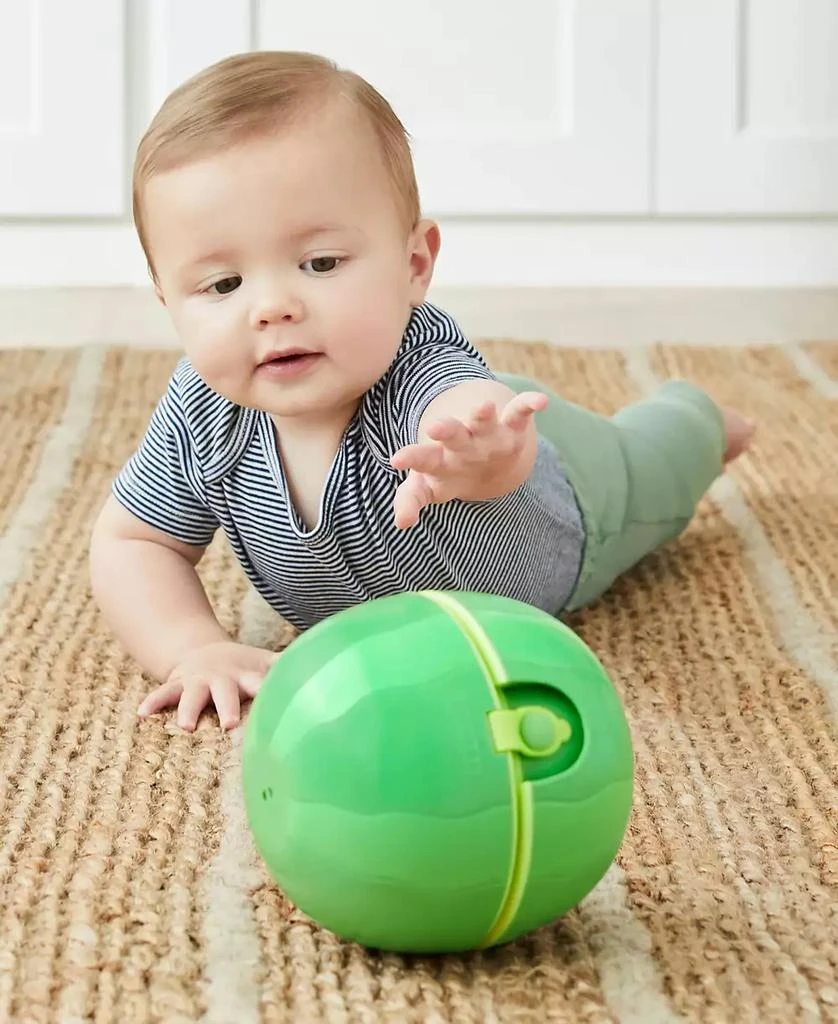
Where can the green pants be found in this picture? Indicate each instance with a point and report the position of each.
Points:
(638, 475)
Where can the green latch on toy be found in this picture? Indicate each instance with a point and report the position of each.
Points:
(531, 731)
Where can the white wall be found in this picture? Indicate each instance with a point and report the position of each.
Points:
(689, 142)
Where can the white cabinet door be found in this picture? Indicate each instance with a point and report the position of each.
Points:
(747, 99)
(185, 36)
(62, 143)
(534, 107)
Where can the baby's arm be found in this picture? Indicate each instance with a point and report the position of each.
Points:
(147, 588)
(476, 441)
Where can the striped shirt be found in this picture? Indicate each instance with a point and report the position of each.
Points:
(206, 463)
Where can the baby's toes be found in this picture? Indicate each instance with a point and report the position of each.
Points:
(738, 433)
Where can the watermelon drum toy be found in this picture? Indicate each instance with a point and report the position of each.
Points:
(437, 771)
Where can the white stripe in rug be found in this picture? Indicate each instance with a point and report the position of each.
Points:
(723, 838)
(625, 961)
(24, 532)
(811, 371)
(799, 633)
(55, 468)
(232, 964)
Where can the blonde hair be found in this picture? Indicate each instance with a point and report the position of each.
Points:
(251, 94)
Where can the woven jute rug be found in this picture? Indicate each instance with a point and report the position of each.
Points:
(129, 886)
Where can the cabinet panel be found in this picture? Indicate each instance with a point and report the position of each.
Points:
(538, 107)
(62, 117)
(747, 101)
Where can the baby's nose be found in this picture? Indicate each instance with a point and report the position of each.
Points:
(276, 307)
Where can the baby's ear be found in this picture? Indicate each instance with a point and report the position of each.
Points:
(155, 283)
(424, 248)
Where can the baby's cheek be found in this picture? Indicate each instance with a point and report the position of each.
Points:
(384, 311)
(374, 344)
(216, 351)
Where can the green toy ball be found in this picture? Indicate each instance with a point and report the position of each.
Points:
(437, 771)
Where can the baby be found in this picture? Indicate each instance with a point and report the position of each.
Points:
(337, 426)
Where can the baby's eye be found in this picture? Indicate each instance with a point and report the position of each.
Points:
(322, 264)
(225, 285)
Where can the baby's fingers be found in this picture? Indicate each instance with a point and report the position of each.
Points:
(423, 458)
(164, 696)
(451, 432)
(195, 698)
(251, 682)
(484, 420)
(411, 497)
(225, 694)
(519, 410)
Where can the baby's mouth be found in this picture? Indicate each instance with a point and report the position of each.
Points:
(289, 363)
(287, 359)
(286, 354)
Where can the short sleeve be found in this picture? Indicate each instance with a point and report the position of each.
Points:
(162, 483)
(434, 356)
(424, 375)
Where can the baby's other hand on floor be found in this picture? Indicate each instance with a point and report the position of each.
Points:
(218, 673)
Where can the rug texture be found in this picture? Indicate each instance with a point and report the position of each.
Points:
(129, 887)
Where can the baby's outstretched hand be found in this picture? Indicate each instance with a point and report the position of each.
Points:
(463, 458)
(221, 673)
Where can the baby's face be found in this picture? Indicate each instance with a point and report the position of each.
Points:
(289, 242)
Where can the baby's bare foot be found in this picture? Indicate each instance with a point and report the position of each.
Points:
(738, 433)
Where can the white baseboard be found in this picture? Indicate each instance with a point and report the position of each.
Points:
(639, 254)
(599, 317)
(497, 254)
